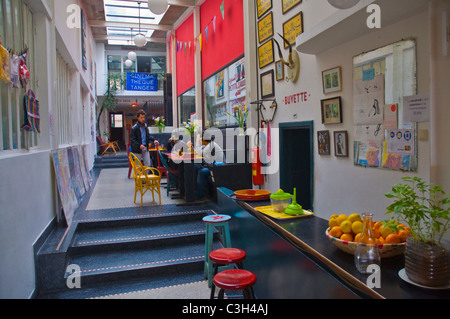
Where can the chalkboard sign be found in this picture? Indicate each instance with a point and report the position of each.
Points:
(142, 82)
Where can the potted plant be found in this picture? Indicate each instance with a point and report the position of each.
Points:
(426, 210)
(159, 123)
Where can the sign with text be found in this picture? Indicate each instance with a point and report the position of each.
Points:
(416, 108)
(142, 82)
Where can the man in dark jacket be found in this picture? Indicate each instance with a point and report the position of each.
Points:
(141, 139)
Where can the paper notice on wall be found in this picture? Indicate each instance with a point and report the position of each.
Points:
(368, 133)
(368, 101)
(390, 116)
(416, 108)
(401, 141)
(369, 154)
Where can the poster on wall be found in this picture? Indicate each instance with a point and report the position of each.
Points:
(219, 84)
(368, 101)
(265, 54)
(265, 28)
(64, 182)
(236, 80)
(263, 6)
(293, 28)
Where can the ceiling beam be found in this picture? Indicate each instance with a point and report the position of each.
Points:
(145, 26)
(101, 37)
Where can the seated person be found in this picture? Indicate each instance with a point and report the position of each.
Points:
(212, 153)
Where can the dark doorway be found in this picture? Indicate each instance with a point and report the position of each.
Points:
(116, 122)
(297, 161)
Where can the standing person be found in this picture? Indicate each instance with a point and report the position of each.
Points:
(141, 139)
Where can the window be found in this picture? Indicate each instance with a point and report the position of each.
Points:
(187, 105)
(16, 34)
(63, 101)
(117, 120)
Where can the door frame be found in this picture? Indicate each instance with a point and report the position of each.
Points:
(298, 125)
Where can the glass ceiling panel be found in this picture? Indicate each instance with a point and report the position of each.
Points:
(128, 12)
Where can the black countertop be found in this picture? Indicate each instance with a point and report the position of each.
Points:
(308, 235)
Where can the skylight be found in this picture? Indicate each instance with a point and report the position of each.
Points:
(128, 12)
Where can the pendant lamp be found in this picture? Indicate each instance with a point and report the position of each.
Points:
(157, 6)
(128, 63)
(132, 55)
(343, 4)
(140, 40)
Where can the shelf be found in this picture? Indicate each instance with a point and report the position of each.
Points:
(346, 25)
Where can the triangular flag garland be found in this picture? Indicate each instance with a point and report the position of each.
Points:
(199, 38)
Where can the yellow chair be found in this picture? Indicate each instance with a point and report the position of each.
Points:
(145, 178)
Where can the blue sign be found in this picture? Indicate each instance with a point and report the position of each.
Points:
(142, 82)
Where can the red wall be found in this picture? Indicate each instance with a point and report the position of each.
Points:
(185, 60)
(227, 42)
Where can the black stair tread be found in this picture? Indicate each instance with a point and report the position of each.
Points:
(122, 260)
(126, 233)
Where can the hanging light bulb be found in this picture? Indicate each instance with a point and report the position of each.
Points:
(157, 6)
(132, 55)
(343, 4)
(140, 40)
(128, 63)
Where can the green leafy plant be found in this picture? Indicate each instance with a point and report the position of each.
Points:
(424, 207)
(159, 123)
(114, 84)
(190, 127)
(240, 114)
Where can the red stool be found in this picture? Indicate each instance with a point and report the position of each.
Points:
(225, 256)
(235, 279)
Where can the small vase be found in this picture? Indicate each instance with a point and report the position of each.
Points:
(160, 129)
(241, 130)
(426, 264)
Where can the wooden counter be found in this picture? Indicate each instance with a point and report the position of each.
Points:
(307, 235)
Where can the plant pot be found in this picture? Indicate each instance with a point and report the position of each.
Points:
(426, 264)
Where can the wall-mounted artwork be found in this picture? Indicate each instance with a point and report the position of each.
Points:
(341, 143)
(267, 84)
(331, 110)
(323, 140)
(265, 28)
(293, 28)
(289, 4)
(265, 54)
(331, 80)
(263, 6)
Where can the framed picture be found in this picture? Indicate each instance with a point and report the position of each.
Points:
(265, 54)
(341, 143)
(267, 84)
(323, 140)
(293, 28)
(289, 4)
(263, 6)
(279, 70)
(331, 110)
(332, 80)
(265, 28)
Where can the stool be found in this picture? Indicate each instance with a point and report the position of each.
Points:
(225, 256)
(235, 279)
(211, 221)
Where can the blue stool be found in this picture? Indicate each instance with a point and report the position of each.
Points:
(221, 222)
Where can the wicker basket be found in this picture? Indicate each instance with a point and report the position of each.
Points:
(386, 250)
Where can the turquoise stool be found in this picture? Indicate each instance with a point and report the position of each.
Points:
(221, 222)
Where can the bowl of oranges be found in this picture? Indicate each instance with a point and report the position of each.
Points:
(344, 232)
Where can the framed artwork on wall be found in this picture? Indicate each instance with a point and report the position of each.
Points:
(262, 6)
(265, 54)
(265, 28)
(331, 110)
(279, 70)
(332, 80)
(289, 4)
(341, 143)
(292, 28)
(267, 84)
(323, 141)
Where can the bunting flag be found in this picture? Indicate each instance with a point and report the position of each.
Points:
(222, 9)
(214, 23)
(206, 34)
(200, 41)
(185, 45)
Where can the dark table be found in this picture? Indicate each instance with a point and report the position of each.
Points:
(307, 236)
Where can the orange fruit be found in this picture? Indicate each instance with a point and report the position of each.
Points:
(385, 231)
(366, 239)
(336, 231)
(357, 237)
(392, 239)
(380, 240)
(403, 234)
(376, 233)
(377, 225)
(347, 237)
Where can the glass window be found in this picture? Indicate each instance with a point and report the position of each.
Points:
(144, 64)
(222, 92)
(187, 105)
(116, 120)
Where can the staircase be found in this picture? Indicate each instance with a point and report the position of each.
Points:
(160, 248)
(111, 161)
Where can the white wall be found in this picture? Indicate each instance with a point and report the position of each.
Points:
(339, 185)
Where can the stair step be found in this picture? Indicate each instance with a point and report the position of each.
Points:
(132, 264)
